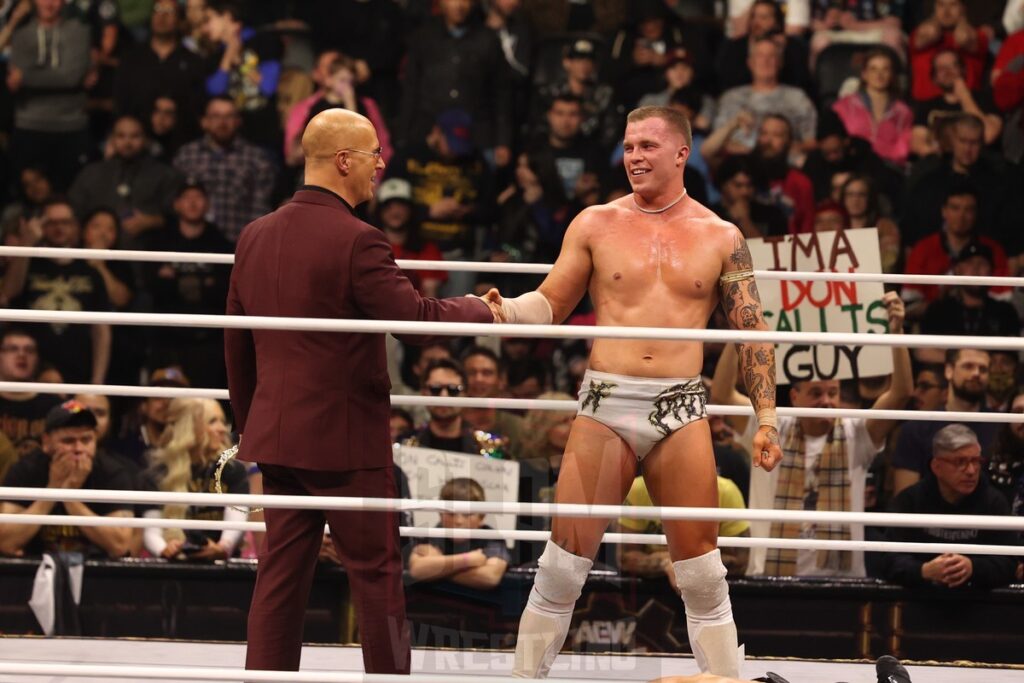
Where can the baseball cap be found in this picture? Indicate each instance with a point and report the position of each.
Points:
(974, 249)
(679, 55)
(394, 189)
(191, 183)
(457, 126)
(168, 377)
(581, 49)
(69, 414)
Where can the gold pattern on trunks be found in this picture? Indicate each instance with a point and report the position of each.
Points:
(595, 393)
(688, 396)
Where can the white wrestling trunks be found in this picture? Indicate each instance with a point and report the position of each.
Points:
(642, 410)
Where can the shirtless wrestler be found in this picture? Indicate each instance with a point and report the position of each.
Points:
(655, 258)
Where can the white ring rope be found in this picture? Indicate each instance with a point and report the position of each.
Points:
(197, 673)
(117, 255)
(879, 519)
(491, 267)
(533, 536)
(254, 322)
(515, 403)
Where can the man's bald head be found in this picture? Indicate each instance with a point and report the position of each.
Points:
(342, 154)
(335, 129)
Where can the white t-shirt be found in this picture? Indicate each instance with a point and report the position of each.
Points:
(860, 450)
(1013, 16)
(798, 12)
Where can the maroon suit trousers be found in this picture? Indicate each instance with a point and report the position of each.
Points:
(369, 548)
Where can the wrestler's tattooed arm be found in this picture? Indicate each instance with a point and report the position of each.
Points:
(742, 305)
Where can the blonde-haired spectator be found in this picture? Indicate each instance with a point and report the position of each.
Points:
(186, 461)
(545, 432)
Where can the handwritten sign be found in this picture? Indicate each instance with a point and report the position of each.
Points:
(428, 470)
(801, 306)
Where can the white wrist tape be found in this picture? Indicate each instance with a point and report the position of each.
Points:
(531, 308)
(766, 418)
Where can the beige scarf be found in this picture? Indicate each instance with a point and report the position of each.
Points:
(826, 490)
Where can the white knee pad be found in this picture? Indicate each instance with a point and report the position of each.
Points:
(702, 583)
(545, 621)
(709, 622)
(559, 581)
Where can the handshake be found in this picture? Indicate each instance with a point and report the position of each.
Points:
(531, 308)
(494, 302)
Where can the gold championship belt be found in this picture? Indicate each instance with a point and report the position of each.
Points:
(226, 457)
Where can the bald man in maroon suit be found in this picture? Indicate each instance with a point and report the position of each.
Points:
(313, 407)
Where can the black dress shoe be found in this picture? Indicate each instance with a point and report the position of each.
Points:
(771, 677)
(890, 670)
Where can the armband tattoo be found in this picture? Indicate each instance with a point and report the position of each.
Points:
(736, 276)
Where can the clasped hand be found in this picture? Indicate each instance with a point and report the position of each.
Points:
(493, 300)
(949, 569)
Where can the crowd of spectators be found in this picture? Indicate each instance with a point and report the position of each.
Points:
(169, 125)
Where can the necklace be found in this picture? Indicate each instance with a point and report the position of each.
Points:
(661, 210)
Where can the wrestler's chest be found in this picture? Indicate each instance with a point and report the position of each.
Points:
(663, 261)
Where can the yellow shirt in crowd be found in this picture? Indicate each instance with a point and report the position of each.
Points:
(729, 496)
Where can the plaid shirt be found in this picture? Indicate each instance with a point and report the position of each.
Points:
(239, 180)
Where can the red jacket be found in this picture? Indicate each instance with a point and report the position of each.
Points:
(922, 86)
(794, 194)
(428, 252)
(930, 256)
(1008, 89)
(319, 400)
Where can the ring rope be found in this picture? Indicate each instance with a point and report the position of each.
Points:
(254, 322)
(614, 538)
(880, 519)
(517, 403)
(512, 268)
(195, 673)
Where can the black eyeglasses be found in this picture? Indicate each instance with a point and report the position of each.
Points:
(452, 389)
(963, 462)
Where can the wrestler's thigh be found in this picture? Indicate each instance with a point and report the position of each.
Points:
(680, 472)
(597, 469)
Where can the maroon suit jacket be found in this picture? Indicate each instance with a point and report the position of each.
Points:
(319, 400)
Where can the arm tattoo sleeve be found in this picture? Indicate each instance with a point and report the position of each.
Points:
(742, 305)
